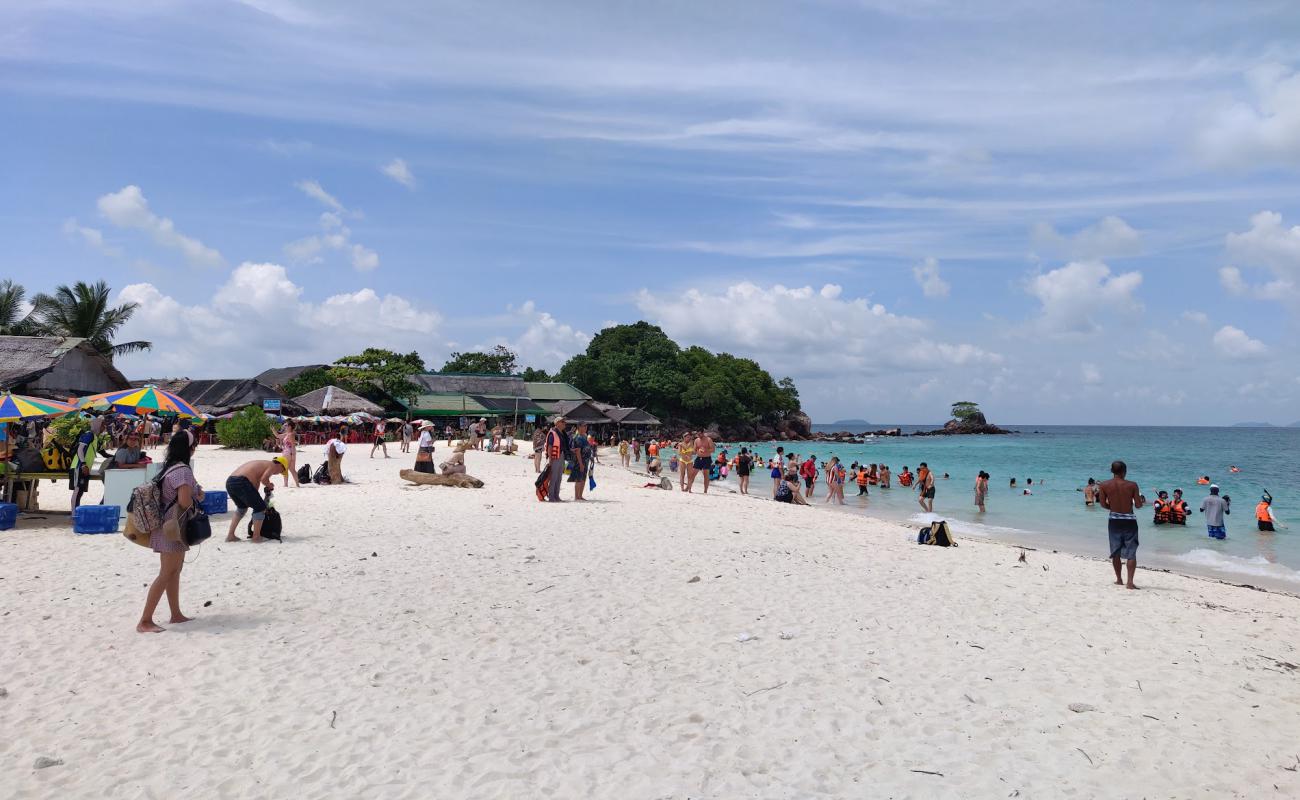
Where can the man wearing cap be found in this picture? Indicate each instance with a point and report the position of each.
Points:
(478, 431)
(1214, 508)
(557, 450)
(242, 487)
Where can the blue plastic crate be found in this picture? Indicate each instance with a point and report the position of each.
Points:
(8, 515)
(96, 519)
(214, 503)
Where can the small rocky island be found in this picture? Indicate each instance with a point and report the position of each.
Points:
(966, 419)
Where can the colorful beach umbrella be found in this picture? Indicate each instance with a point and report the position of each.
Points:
(14, 407)
(145, 400)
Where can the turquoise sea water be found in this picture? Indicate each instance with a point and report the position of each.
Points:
(1061, 459)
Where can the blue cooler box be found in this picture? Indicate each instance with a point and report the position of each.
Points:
(8, 515)
(96, 519)
(214, 503)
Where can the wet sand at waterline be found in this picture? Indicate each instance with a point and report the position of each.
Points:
(436, 642)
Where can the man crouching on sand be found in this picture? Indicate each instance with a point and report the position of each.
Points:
(242, 487)
(1122, 498)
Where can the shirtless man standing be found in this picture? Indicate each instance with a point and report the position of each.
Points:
(1122, 497)
(703, 460)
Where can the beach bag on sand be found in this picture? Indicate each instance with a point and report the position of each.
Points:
(322, 475)
(783, 493)
(936, 533)
(272, 525)
(304, 473)
(543, 485)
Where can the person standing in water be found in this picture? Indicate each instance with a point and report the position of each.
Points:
(1215, 508)
(1090, 493)
(925, 487)
(1264, 514)
(835, 481)
(981, 489)
(1122, 498)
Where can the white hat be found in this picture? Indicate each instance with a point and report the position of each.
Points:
(426, 424)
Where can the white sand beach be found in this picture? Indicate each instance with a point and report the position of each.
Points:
(430, 642)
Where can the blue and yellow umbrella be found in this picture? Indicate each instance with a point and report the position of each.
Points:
(14, 407)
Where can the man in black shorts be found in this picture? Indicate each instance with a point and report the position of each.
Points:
(242, 488)
(381, 440)
(1122, 498)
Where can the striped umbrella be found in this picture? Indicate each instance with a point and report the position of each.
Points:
(14, 407)
(145, 400)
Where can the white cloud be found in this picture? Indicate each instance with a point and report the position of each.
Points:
(259, 318)
(334, 236)
(1110, 237)
(1091, 374)
(90, 236)
(546, 343)
(927, 277)
(1266, 131)
(1235, 343)
(1198, 317)
(1074, 295)
(400, 172)
(314, 190)
(364, 259)
(806, 331)
(1271, 248)
(128, 208)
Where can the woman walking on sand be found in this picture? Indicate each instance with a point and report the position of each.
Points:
(289, 449)
(981, 489)
(179, 492)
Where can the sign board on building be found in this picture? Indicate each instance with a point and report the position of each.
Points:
(271, 404)
(530, 417)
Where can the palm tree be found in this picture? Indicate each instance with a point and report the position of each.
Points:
(82, 311)
(13, 320)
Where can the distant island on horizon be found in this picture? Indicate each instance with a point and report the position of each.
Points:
(859, 423)
(1256, 425)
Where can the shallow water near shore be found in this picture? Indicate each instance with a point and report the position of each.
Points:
(1060, 460)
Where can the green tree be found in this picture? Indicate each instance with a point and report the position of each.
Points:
(309, 381)
(382, 369)
(535, 375)
(82, 311)
(247, 429)
(638, 365)
(500, 360)
(14, 316)
(964, 410)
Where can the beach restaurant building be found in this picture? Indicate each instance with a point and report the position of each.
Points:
(509, 399)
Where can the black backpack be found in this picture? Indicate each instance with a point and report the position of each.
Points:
(271, 525)
(322, 475)
(304, 473)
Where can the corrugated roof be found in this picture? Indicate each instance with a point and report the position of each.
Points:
(24, 359)
(460, 383)
(222, 395)
(341, 402)
(553, 391)
(627, 416)
(580, 411)
(508, 405)
(277, 377)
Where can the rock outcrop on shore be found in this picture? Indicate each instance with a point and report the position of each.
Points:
(795, 426)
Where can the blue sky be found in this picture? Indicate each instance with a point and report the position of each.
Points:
(1082, 212)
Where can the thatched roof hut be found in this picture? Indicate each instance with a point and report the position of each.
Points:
(331, 401)
(56, 367)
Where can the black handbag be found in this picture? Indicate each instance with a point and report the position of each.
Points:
(198, 528)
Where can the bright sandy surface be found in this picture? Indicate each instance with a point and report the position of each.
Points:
(437, 643)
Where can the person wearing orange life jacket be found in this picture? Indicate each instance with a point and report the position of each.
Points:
(904, 477)
(873, 477)
(557, 450)
(1264, 513)
(861, 479)
(1178, 509)
(1204, 480)
(1162, 506)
